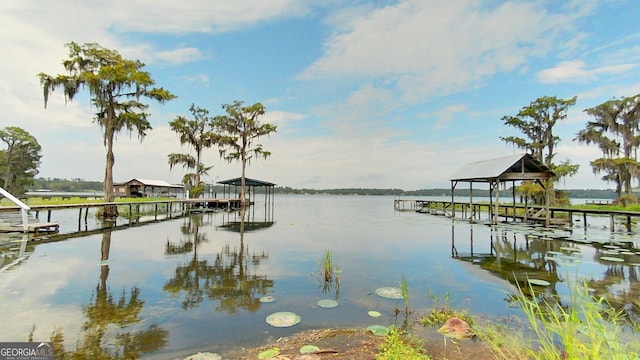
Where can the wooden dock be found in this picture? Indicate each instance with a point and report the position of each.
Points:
(11, 220)
(558, 216)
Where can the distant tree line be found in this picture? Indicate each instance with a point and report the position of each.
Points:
(78, 185)
(66, 185)
(572, 193)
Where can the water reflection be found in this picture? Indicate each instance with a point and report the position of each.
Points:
(108, 317)
(12, 255)
(518, 254)
(227, 279)
(198, 278)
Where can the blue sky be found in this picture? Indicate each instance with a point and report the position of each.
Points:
(377, 94)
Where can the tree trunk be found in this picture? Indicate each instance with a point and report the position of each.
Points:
(109, 211)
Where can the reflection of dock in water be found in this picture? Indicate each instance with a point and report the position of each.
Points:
(529, 255)
(12, 221)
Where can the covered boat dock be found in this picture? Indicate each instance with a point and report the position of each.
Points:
(500, 171)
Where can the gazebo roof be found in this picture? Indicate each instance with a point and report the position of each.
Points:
(248, 182)
(516, 167)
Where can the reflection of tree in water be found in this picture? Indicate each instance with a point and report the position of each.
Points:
(104, 315)
(227, 279)
(513, 259)
(622, 291)
(518, 257)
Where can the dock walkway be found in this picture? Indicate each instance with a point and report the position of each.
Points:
(11, 220)
(558, 216)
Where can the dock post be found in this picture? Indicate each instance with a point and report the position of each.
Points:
(612, 223)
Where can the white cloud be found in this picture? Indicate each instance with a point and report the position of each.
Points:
(180, 55)
(168, 16)
(429, 47)
(196, 78)
(280, 117)
(446, 115)
(577, 71)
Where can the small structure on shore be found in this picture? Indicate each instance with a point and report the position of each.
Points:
(518, 167)
(147, 188)
(251, 185)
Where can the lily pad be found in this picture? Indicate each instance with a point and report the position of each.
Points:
(374, 313)
(389, 292)
(268, 354)
(204, 356)
(309, 349)
(267, 299)
(378, 330)
(283, 319)
(539, 282)
(611, 258)
(327, 303)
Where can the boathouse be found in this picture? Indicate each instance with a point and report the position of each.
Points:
(250, 184)
(499, 171)
(147, 188)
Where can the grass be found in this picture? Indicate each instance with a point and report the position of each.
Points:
(327, 266)
(442, 311)
(404, 290)
(399, 345)
(586, 328)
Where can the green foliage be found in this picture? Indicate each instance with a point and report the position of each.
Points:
(68, 185)
(115, 85)
(585, 328)
(404, 290)
(327, 266)
(443, 311)
(401, 346)
(536, 122)
(198, 134)
(615, 130)
(19, 162)
(239, 129)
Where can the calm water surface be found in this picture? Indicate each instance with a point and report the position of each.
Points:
(191, 284)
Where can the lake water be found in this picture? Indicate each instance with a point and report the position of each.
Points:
(189, 284)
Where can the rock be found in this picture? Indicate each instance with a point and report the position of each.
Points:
(456, 328)
(204, 356)
(307, 357)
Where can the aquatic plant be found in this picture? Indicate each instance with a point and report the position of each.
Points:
(327, 266)
(400, 345)
(329, 274)
(404, 289)
(442, 311)
(586, 328)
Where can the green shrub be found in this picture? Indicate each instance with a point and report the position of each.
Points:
(401, 346)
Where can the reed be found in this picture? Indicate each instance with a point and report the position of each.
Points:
(404, 290)
(327, 266)
(585, 328)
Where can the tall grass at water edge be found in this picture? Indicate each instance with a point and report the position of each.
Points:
(585, 328)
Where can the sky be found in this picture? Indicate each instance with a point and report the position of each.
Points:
(366, 94)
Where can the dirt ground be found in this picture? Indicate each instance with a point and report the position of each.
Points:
(359, 344)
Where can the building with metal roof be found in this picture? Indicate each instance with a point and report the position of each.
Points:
(518, 167)
(512, 168)
(147, 188)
